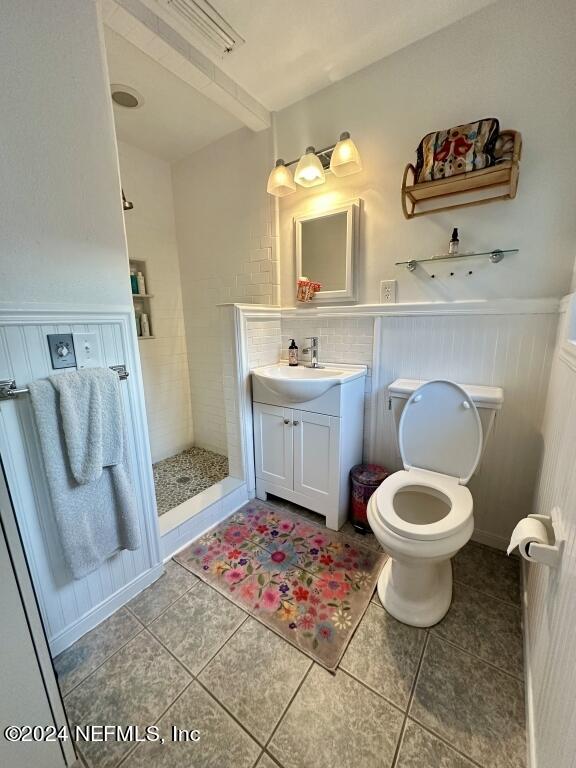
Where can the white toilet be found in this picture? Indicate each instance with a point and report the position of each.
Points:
(422, 516)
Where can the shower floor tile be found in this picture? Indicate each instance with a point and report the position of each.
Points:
(187, 474)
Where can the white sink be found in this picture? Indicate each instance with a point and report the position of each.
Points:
(297, 384)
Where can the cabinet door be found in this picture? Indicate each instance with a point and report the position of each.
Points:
(273, 444)
(316, 457)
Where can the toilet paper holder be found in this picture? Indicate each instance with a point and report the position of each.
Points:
(547, 554)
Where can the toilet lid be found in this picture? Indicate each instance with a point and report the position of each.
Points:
(440, 431)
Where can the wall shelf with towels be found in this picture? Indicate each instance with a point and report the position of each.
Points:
(502, 178)
(495, 256)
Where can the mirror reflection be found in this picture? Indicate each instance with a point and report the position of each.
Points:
(324, 250)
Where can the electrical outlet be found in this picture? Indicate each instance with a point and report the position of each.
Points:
(387, 291)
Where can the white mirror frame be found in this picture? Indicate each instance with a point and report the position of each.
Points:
(352, 210)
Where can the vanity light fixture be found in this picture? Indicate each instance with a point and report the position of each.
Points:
(345, 158)
(341, 158)
(280, 181)
(309, 171)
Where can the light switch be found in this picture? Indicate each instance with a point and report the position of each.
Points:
(88, 352)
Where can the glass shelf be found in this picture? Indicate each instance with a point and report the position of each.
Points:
(495, 256)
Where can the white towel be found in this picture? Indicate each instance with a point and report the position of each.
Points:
(91, 412)
(81, 430)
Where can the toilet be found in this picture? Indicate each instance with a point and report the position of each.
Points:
(422, 515)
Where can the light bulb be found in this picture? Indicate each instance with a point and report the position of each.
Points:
(280, 181)
(345, 158)
(309, 171)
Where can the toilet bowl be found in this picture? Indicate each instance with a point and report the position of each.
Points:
(422, 515)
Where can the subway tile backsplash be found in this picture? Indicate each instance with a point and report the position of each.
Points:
(264, 341)
(341, 340)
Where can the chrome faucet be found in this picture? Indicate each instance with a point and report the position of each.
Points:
(313, 350)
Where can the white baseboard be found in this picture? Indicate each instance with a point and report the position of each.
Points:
(528, 689)
(490, 539)
(100, 612)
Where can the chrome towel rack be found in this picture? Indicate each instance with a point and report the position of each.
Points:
(9, 389)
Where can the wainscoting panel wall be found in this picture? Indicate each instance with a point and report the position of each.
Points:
(71, 607)
(510, 347)
(550, 618)
(511, 351)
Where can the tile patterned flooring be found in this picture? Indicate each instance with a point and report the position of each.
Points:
(180, 477)
(182, 655)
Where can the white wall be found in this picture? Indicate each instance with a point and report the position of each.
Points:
(230, 360)
(151, 234)
(63, 245)
(60, 211)
(551, 605)
(227, 246)
(508, 350)
(515, 60)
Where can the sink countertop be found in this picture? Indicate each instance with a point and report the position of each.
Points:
(345, 371)
(299, 383)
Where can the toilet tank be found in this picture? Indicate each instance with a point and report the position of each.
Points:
(488, 400)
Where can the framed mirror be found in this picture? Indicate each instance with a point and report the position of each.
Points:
(325, 246)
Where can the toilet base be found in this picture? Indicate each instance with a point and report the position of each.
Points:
(418, 594)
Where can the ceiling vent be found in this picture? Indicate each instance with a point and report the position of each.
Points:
(204, 20)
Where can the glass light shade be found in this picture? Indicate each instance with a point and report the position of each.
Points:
(345, 158)
(280, 181)
(309, 171)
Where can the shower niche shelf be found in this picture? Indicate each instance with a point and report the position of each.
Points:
(142, 301)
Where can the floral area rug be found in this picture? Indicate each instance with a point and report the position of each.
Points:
(308, 584)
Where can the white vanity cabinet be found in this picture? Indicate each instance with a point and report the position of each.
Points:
(304, 451)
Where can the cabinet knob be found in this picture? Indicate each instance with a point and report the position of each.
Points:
(295, 423)
(286, 421)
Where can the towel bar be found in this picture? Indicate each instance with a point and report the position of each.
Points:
(8, 388)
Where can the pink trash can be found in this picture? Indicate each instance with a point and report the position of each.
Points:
(365, 480)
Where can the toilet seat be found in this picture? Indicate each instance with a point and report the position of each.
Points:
(440, 437)
(440, 431)
(424, 484)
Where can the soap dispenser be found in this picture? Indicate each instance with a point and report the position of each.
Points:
(454, 243)
(292, 353)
